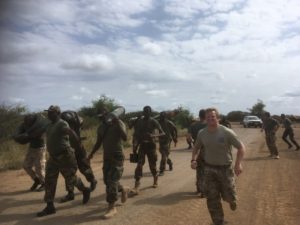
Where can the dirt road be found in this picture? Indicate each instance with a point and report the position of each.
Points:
(268, 190)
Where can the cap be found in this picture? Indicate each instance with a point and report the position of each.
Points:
(53, 108)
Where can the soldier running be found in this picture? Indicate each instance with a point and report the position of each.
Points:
(289, 132)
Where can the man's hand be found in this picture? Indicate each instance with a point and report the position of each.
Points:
(238, 169)
(193, 164)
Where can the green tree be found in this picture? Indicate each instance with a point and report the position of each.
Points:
(258, 108)
(183, 117)
(236, 116)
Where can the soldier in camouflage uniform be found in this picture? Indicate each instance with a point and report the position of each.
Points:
(111, 134)
(288, 131)
(271, 125)
(36, 154)
(144, 138)
(83, 164)
(170, 131)
(192, 133)
(61, 160)
(218, 172)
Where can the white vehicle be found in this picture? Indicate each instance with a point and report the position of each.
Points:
(252, 121)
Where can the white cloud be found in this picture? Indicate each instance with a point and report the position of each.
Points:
(157, 93)
(85, 90)
(90, 62)
(16, 100)
(76, 97)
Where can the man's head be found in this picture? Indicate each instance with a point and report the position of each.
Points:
(282, 116)
(162, 115)
(202, 114)
(102, 112)
(212, 117)
(147, 111)
(53, 112)
(267, 115)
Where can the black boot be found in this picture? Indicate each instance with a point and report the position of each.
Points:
(35, 184)
(50, 209)
(86, 195)
(93, 185)
(69, 197)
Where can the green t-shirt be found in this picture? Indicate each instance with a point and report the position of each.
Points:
(111, 136)
(218, 145)
(269, 125)
(144, 127)
(57, 140)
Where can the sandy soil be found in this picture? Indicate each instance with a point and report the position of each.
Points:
(268, 192)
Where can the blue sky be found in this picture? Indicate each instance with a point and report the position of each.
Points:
(166, 54)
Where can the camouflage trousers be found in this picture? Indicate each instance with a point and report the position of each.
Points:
(35, 158)
(289, 133)
(271, 143)
(84, 164)
(146, 149)
(218, 183)
(200, 176)
(164, 149)
(66, 165)
(112, 173)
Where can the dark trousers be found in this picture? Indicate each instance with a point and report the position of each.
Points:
(289, 133)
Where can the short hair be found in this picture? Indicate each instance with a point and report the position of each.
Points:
(267, 114)
(202, 113)
(212, 109)
(147, 107)
(282, 115)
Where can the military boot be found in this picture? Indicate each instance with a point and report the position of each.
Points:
(86, 195)
(111, 211)
(135, 190)
(41, 188)
(50, 209)
(69, 197)
(35, 184)
(93, 185)
(124, 194)
(155, 179)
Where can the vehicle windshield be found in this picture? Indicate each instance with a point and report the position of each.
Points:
(252, 118)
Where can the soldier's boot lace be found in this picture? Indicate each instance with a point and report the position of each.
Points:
(50, 209)
(155, 181)
(35, 184)
(69, 197)
(111, 211)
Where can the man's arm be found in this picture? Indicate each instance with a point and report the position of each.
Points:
(96, 147)
(239, 157)
(73, 135)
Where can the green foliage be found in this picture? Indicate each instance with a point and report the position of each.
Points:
(97, 105)
(10, 119)
(183, 117)
(258, 108)
(236, 116)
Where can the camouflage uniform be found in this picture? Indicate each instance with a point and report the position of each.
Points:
(143, 129)
(61, 160)
(269, 125)
(112, 135)
(193, 130)
(218, 174)
(289, 132)
(170, 131)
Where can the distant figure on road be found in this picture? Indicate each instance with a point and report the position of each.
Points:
(111, 134)
(36, 153)
(61, 160)
(289, 132)
(218, 172)
(170, 131)
(192, 133)
(270, 126)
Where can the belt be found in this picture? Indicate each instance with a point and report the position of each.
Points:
(217, 166)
